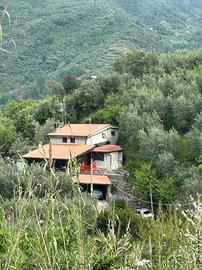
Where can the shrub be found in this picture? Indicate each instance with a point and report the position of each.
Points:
(124, 219)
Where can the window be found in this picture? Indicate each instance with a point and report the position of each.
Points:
(72, 140)
(113, 133)
(98, 156)
(103, 135)
(64, 139)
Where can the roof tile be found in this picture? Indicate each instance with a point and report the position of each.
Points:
(108, 148)
(83, 130)
(95, 179)
(59, 151)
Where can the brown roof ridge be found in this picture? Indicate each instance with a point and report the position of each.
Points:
(108, 126)
(83, 130)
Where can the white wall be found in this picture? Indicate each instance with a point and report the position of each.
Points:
(112, 161)
(98, 138)
(103, 137)
(58, 140)
(120, 159)
(100, 164)
(55, 140)
(104, 164)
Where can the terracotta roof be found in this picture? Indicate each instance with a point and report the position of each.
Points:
(96, 179)
(59, 151)
(108, 148)
(83, 130)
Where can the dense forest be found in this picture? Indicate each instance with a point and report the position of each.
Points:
(48, 38)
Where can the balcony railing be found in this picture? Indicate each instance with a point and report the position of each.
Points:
(87, 167)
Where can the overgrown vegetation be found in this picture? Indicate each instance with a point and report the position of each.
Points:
(47, 223)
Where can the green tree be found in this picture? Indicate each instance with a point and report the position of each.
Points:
(110, 83)
(41, 131)
(70, 114)
(109, 114)
(162, 190)
(69, 84)
(7, 134)
(184, 118)
(137, 63)
(165, 165)
(47, 108)
(88, 98)
(156, 141)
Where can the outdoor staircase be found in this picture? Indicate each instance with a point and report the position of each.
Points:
(120, 179)
(117, 175)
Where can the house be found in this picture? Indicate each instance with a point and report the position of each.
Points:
(94, 148)
(90, 134)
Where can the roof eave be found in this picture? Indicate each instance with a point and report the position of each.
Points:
(65, 135)
(101, 130)
(107, 151)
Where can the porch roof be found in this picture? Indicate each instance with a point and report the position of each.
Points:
(94, 179)
(59, 151)
(108, 148)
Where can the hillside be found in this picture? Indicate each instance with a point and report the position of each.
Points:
(85, 37)
(47, 223)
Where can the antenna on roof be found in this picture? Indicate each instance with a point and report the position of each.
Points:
(91, 173)
(89, 120)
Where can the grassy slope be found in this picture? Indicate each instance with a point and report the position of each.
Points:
(53, 36)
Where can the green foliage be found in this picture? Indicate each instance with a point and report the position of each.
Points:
(160, 120)
(138, 63)
(70, 113)
(162, 190)
(70, 83)
(47, 223)
(3, 236)
(157, 141)
(8, 180)
(165, 164)
(45, 109)
(42, 131)
(84, 38)
(155, 99)
(20, 146)
(22, 115)
(119, 203)
(110, 83)
(28, 115)
(88, 98)
(7, 134)
(34, 176)
(109, 114)
(144, 103)
(124, 219)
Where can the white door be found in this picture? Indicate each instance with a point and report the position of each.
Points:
(114, 160)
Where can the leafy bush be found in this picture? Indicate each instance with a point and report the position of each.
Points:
(124, 219)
